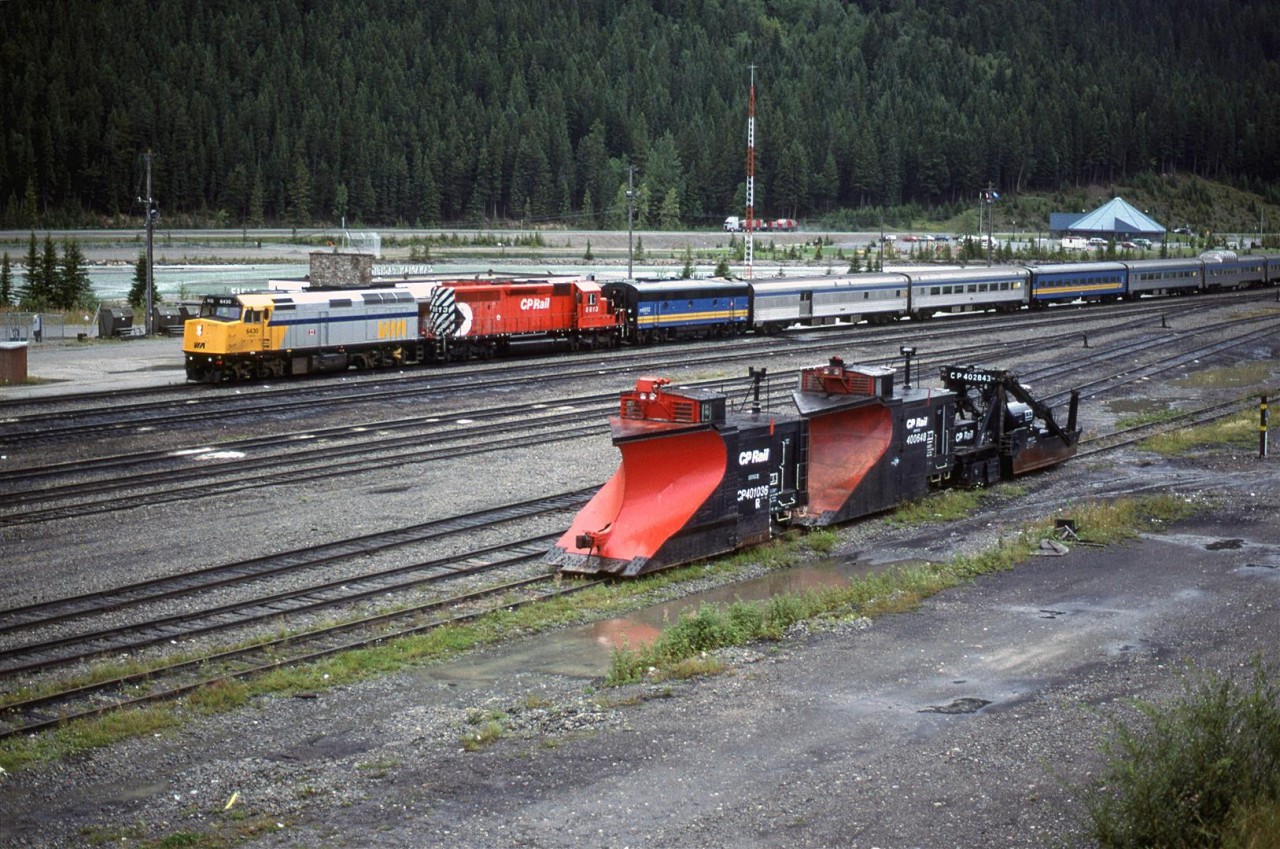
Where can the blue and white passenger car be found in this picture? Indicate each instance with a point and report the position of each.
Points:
(1071, 281)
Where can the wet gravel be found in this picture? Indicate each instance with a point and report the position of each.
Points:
(969, 722)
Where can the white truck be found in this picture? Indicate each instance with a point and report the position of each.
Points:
(734, 224)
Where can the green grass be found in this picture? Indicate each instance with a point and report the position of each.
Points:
(896, 590)
(949, 505)
(483, 734)
(1200, 771)
(1239, 432)
(1139, 419)
(349, 667)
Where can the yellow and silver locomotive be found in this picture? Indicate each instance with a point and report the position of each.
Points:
(273, 334)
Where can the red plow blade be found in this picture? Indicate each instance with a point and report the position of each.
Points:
(843, 447)
(655, 495)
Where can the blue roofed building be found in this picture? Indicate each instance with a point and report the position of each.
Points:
(1115, 219)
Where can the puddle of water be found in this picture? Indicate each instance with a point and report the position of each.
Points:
(130, 792)
(965, 705)
(585, 652)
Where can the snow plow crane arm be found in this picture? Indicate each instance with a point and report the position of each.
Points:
(1009, 432)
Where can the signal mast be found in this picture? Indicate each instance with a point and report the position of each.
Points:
(751, 172)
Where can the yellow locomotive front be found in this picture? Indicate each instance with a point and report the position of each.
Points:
(230, 339)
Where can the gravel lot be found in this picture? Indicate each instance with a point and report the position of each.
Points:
(970, 722)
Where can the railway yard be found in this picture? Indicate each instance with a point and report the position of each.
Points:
(207, 533)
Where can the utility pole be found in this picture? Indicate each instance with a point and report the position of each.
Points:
(751, 173)
(152, 214)
(990, 197)
(631, 173)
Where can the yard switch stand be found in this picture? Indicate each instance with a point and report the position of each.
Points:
(1262, 430)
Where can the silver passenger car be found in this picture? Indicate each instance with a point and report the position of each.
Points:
(781, 302)
(968, 289)
(1164, 277)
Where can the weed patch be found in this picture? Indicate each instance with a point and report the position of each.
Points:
(897, 590)
(1239, 432)
(1203, 771)
(947, 506)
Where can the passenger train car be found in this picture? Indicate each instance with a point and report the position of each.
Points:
(1002, 288)
(663, 310)
(270, 334)
(781, 302)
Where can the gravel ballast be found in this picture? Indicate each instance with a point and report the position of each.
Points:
(972, 721)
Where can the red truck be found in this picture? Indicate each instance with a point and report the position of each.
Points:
(734, 224)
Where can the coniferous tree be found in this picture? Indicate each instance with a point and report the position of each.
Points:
(669, 214)
(340, 201)
(74, 288)
(33, 278)
(138, 291)
(50, 274)
(30, 204)
(257, 201)
(551, 101)
(6, 281)
(300, 194)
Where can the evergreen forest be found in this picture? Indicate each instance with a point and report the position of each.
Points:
(444, 112)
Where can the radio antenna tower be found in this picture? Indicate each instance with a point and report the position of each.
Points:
(751, 173)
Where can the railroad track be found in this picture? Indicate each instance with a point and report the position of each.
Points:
(166, 680)
(207, 405)
(1178, 421)
(1162, 365)
(43, 629)
(171, 681)
(28, 710)
(157, 477)
(66, 634)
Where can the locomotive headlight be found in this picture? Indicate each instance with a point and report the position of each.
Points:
(199, 329)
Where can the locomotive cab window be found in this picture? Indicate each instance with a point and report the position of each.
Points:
(221, 309)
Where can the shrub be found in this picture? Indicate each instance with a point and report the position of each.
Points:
(1203, 771)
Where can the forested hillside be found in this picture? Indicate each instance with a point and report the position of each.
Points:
(455, 111)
